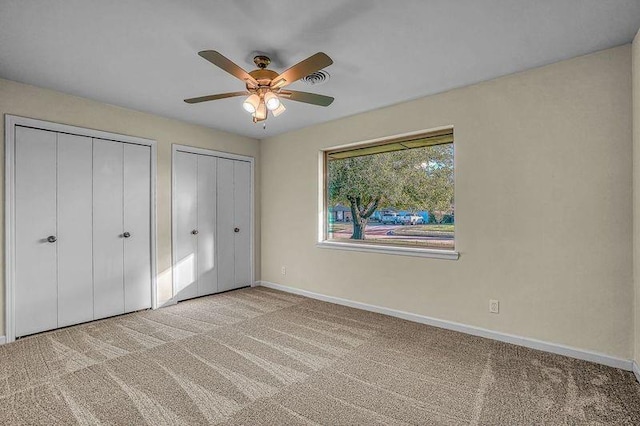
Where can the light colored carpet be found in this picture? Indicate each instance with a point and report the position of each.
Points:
(258, 356)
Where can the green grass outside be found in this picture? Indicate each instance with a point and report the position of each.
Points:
(427, 229)
(342, 226)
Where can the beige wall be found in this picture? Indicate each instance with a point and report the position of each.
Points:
(636, 190)
(34, 102)
(543, 207)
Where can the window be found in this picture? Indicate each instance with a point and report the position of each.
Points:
(398, 193)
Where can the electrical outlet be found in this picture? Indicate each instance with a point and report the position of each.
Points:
(283, 271)
(494, 306)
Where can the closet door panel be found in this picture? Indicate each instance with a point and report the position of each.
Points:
(108, 249)
(206, 261)
(242, 214)
(137, 223)
(35, 220)
(74, 208)
(186, 199)
(225, 225)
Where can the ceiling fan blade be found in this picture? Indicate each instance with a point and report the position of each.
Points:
(309, 98)
(214, 97)
(221, 61)
(302, 69)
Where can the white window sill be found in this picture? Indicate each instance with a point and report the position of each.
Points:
(402, 251)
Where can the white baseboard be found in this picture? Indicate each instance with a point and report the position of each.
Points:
(636, 370)
(599, 358)
(3, 340)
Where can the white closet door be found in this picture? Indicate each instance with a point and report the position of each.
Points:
(137, 227)
(35, 220)
(186, 199)
(75, 269)
(242, 214)
(206, 238)
(108, 248)
(225, 225)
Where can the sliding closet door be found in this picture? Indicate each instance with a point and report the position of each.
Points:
(108, 248)
(186, 199)
(213, 198)
(242, 225)
(74, 208)
(137, 227)
(35, 231)
(206, 239)
(225, 225)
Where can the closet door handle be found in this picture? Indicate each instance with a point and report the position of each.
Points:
(236, 229)
(126, 235)
(194, 232)
(52, 239)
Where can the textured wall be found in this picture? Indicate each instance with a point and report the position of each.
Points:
(34, 102)
(543, 207)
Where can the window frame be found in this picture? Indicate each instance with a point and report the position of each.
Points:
(322, 238)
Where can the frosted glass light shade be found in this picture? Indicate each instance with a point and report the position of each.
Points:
(271, 100)
(276, 112)
(261, 112)
(251, 103)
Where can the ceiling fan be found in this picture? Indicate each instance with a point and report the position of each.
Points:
(265, 87)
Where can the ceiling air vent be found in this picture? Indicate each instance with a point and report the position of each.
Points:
(316, 78)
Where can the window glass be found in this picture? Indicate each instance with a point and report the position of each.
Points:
(395, 193)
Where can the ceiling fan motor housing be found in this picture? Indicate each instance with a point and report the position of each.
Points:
(263, 76)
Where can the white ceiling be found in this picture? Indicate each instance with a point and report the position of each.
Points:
(143, 54)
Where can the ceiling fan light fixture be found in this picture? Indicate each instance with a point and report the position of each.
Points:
(276, 112)
(251, 104)
(272, 101)
(263, 86)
